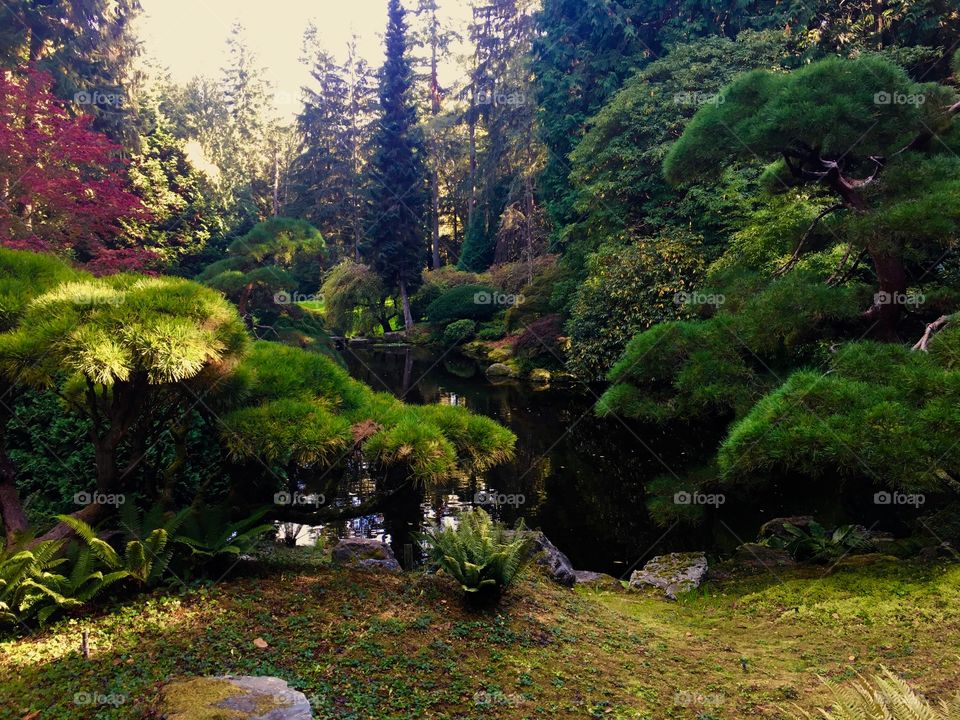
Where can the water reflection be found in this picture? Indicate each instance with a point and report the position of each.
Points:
(577, 477)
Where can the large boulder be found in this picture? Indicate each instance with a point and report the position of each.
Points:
(597, 580)
(501, 370)
(238, 698)
(365, 553)
(674, 573)
(546, 555)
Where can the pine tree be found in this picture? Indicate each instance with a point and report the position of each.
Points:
(395, 244)
(330, 173)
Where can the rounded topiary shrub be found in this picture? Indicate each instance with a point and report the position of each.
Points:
(470, 302)
(459, 331)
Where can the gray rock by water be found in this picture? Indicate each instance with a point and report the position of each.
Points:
(557, 565)
(501, 370)
(674, 573)
(364, 552)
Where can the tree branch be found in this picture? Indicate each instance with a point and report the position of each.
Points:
(931, 330)
(791, 263)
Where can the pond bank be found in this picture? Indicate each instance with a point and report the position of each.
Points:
(361, 644)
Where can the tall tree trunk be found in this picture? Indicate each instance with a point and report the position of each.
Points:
(435, 172)
(276, 182)
(11, 509)
(892, 288)
(405, 301)
(472, 200)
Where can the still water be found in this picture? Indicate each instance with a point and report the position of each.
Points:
(579, 478)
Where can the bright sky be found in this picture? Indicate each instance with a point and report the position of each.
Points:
(189, 36)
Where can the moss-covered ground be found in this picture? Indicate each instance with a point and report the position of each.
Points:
(361, 644)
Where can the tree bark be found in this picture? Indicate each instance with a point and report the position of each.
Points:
(892, 285)
(405, 301)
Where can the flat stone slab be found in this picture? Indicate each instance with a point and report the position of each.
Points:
(674, 573)
(233, 698)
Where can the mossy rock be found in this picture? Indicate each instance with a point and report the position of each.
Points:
(540, 376)
(233, 698)
(501, 370)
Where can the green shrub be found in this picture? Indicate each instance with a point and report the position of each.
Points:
(493, 330)
(630, 286)
(480, 554)
(815, 544)
(471, 302)
(458, 332)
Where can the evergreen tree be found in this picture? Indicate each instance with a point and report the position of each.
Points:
(329, 173)
(509, 156)
(395, 245)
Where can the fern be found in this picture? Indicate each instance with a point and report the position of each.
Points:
(480, 554)
(882, 697)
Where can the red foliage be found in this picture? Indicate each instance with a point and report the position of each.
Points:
(62, 185)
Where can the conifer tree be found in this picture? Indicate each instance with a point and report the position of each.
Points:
(395, 245)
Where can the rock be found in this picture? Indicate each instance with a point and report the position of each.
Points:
(387, 565)
(557, 565)
(540, 376)
(359, 341)
(600, 581)
(237, 698)
(674, 573)
(394, 337)
(760, 557)
(935, 552)
(774, 528)
(501, 370)
(364, 552)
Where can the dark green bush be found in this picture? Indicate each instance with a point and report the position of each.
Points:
(470, 302)
(458, 332)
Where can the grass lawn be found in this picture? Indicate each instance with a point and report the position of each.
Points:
(377, 646)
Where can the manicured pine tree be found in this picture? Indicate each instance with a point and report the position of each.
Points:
(396, 238)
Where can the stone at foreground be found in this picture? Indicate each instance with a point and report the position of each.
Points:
(598, 580)
(233, 698)
(674, 573)
(364, 552)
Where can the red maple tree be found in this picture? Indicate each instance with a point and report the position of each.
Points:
(62, 185)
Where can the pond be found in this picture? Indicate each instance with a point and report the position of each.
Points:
(579, 478)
